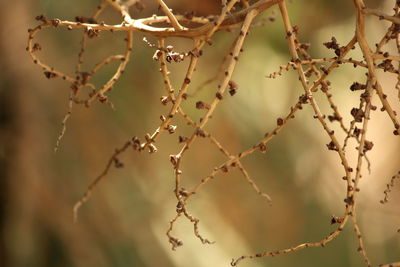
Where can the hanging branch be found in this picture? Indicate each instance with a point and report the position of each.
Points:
(312, 74)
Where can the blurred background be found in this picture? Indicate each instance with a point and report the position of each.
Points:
(125, 221)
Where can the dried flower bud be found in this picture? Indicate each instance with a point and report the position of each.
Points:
(336, 219)
(118, 164)
(331, 146)
(174, 159)
(358, 114)
(332, 44)
(152, 148)
(202, 105)
(136, 143)
(262, 147)
(50, 75)
(200, 132)
(224, 169)
(182, 139)
(171, 128)
(357, 86)
(165, 100)
(157, 55)
(368, 145)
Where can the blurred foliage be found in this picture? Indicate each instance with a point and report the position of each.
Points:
(124, 223)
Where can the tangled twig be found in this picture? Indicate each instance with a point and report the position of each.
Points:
(312, 74)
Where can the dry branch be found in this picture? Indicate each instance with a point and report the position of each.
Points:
(312, 75)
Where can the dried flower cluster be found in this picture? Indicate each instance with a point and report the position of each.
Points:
(313, 78)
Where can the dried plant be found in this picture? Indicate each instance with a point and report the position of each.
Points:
(238, 16)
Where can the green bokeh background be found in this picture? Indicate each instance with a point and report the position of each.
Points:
(125, 221)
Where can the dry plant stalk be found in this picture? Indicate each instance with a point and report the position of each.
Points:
(312, 74)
